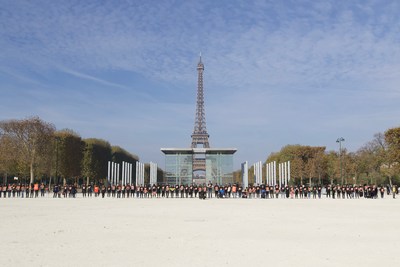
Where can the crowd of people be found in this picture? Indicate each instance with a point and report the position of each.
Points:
(202, 191)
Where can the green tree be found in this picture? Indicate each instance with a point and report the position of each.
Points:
(332, 166)
(96, 155)
(119, 154)
(305, 161)
(70, 154)
(372, 161)
(392, 139)
(8, 159)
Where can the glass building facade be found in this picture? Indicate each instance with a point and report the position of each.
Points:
(179, 166)
(219, 168)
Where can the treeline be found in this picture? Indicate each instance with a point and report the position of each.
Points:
(33, 150)
(377, 162)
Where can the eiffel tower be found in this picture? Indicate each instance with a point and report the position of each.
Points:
(200, 135)
(213, 165)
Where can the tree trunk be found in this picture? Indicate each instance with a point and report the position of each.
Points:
(87, 181)
(31, 169)
(50, 184)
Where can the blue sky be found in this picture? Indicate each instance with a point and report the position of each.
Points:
(276, 72)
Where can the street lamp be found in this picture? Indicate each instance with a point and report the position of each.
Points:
(340, 140)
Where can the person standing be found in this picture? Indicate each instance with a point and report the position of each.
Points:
(108, 190)
(89, 190)
(123, 189)
(158, 191)
(221, 192)
(4, 189)
(96, 190)
(201, 194)
(328, 191)
(167, 191)
(382, 191)
(338, 190)
(74, 190)
(240, 190)
(41, 190)
(59, 191)
(18, 189)
(287, 191)
(258, 191)
(176, 191)
(181, 191)
(55, 191)
(113, 189)
(204, 191)
(65, 189)
(171, 190)
(103, 191)
(9, 189)
(47, 190)
(22, 191)
(128, 190)
(36, 188)
(209, 190)
(163, 191)
(84, 190)
(361, 191)
(216, 190)
(394, 189)
(119, 190)
(154, 191)
(314, 192)
(133, 190)
(70, 191)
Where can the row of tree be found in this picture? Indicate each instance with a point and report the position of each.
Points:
(34, 150)
(377, 162)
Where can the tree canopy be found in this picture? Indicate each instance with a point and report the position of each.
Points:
(32, 147)
(30, 142)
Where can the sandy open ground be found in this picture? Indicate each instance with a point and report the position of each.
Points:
(191, 232)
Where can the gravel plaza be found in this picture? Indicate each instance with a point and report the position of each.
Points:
(193, 232)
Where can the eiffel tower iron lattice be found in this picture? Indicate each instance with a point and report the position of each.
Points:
(200, 135)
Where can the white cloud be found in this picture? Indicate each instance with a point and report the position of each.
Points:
(266, 61)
